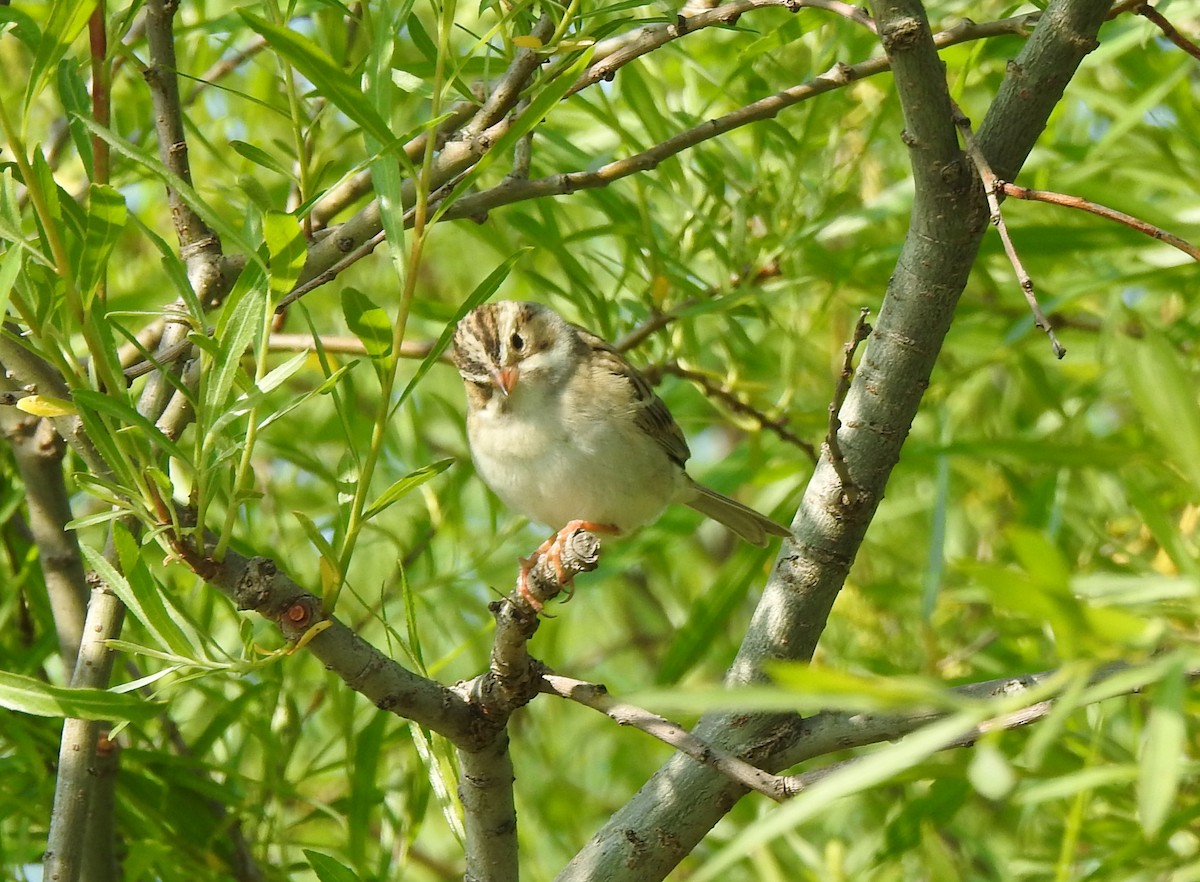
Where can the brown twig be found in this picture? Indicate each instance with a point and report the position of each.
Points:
(1018, 192)
(1147, 11)
(199, 246)
(513, 675)
(991, 187)
(861, 331)
(614, 53)
(837, 77)
(732, 401)
(660, 319)
(597, 697)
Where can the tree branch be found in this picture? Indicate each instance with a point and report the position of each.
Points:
(614, 53)
(991, 187)
(837, 77)
(948, 220)
(1063, 199)
(75, 783)
(38, 453)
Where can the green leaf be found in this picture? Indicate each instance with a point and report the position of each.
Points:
(142, 596)
(324, 549)
(409, 482)
(127, 415)
(262, 158)
(241, 318)
(327, 869)
(482, 292)
(990, 772)
(326, 385)
(287, 248)
(30, 696)
(67, 19)
(1164, 391)
(869, 771)
(1160, 765)
(105, 222)
(73, 93)
(10, 268)
(368, 322)
(231, 236)
(324, 73)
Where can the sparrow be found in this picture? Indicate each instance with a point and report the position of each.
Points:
(568, 433)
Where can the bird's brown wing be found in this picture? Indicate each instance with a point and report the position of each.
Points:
(650, 414)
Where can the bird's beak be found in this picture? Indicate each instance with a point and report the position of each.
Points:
(506, 379)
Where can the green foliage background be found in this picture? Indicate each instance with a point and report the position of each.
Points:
(1044, 513)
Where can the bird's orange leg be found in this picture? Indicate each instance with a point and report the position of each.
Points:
(553, 548)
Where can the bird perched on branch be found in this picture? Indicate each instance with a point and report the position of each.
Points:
(566, 432)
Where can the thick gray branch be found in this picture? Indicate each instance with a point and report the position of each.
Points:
(77, 778)
(683, 800)
(258, 584)
(38, 452)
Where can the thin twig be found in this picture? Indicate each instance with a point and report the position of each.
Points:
(1018, 192)
(732, 401)
(837, 77)
(1147, 11)
(991, 187)
(597, 697)
(861, 331)
(660, 319)
(614, 53)
(513, 675)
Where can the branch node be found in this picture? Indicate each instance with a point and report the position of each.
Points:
(850, 491)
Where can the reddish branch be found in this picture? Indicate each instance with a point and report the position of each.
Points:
(1018, 192)
(1169, 31)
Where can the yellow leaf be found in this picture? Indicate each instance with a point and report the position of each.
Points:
(45, 406)
(660, 287)
(527, 42)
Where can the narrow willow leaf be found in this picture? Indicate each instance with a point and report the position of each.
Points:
(73, 93)
(1164, 390)
(328, 869)
(1161, 762)
(30, 696)
(46, 406)
(869, 771)
(148, 611)
(106, 219)
(406, 484)
(286, 248)
(67, 19)
(10, 268)
(368, 322)
(328, 555)
(329, 383)
(277, 376)
(240, 319)
(127, 415)
(262, 158)
(324, 73)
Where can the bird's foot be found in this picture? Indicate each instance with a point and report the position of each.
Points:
(553, 548)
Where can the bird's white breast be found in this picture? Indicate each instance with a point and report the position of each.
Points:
(556, 463)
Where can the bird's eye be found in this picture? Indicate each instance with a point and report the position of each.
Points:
(517, 342)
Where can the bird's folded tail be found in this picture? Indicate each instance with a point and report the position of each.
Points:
(743, 520)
